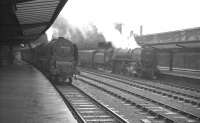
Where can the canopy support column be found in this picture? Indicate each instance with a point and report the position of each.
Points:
(171, 60)
(11, 55)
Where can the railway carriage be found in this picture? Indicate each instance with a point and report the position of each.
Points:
(86, 57)
(102, 58)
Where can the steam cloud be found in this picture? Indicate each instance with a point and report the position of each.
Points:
(85, 38)
(88, 36)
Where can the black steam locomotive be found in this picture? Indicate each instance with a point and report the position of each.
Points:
(57, 59)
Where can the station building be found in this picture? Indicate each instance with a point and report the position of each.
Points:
(177, 51)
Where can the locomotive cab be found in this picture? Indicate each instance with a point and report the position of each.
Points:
(146, 65)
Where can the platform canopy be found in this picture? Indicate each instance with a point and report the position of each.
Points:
(23, 21)
(181, 39)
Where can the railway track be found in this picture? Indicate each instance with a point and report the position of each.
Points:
(185, 96)
(183, 87)
(153, 104)
(86, 108)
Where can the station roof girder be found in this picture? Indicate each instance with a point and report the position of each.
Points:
(27, 20)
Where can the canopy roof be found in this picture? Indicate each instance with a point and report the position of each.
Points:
(182, 39)
(23, 21)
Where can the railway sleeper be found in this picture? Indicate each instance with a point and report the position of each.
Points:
(140, 96)
(133, 103)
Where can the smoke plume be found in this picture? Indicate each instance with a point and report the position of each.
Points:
(86, 38)
(89, 35)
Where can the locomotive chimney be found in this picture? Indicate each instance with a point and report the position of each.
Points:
(141, 30)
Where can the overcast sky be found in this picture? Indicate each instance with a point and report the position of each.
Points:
(155, 15)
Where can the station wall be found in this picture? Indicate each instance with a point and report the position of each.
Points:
(181, 60)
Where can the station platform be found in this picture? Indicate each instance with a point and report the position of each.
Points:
(182, 73)
(26, 96)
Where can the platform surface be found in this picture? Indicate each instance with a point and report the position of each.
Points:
(26, 96)
(180, 73)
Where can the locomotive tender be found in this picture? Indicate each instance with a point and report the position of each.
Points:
(57, 59)
(141, 62)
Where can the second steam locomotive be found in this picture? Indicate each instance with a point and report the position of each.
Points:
(141, 62)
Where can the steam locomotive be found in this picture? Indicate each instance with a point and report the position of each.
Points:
(141, 62)
(57, 59)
